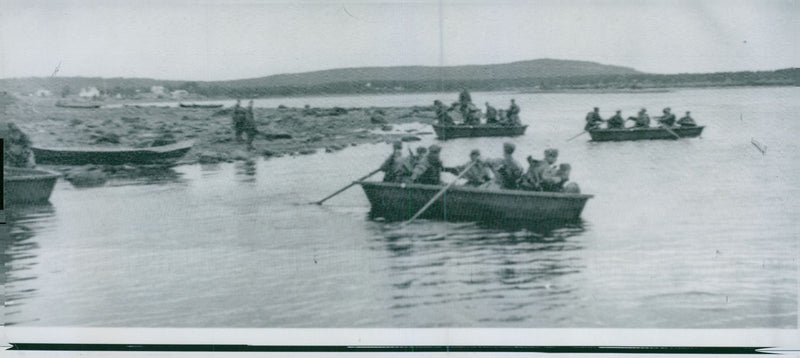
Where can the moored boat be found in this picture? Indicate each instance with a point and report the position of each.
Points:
(604, 135)
(462, 203)
(451, 131)
(194, 105)
(77, 105)
(100, 155)
(23, 185)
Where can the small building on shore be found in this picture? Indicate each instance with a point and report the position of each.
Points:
(89, 92)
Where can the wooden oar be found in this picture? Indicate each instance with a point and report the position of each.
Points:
(347, 187)
(430, 202)
(577, 135)
(671, 132)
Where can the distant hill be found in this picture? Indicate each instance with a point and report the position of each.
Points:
(542, 68)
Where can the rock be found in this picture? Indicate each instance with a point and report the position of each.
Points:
(75, 122)
(128, 119)
(280, 106)
(209, 158)
(273, 136)
(315, 138)
(105, 137)
(328, 150)
(268, 153)
(307, 151)
(239, 154)
(387, 127)
(86, 177)
(377, 119)
(410, 138)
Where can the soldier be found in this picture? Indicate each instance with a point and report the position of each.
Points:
(406, 168)
(507, 171)
(668, 119)
(532, 180)
(249, 125)
(473, 116)
(239, 117)
(429, 169)
(478, 174)
(687, 121)
(553, 179)
(391, 165)
(593, 120)
(441, 113)
(616, 121)
(491, 114)
(642, 120)
(513, 113)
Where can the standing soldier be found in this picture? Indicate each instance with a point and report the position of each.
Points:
(491, 114)
(513, 113)
(249, 125)
(239, 117)
(391, 165)
(442, 117)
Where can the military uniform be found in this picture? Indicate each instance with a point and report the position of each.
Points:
(593, 120)
(477, 175)
(239, 119)
(391, 165)
(513, 114)
(428, 171)
(508, 171)
(491, 114)
(687, 121)
(616, 121)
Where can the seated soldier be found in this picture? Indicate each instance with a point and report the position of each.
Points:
(507, 171)
(616, 121)
(473, 115)
(478, 174)
(642, 120)
(429, 169)
(668, 119)
(554, 179)
(532, 180)
(392, 164)
(491, 114)
(687, 121)
(406, 168)
(593, 120)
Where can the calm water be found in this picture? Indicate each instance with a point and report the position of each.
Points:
(680, 234)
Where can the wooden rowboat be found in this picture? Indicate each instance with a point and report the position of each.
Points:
(77, 105)
(604, 135)
(23, 185)
(462, 203)
(95, 155)
(194, 105)
(451, 131)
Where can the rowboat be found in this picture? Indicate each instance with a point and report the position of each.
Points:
(604, 135)
(95, 155)
(77, 105)
(462, 203)
(451, 131)
(194, 105)
(22, 185)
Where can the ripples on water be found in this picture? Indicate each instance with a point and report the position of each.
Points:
(680, 234)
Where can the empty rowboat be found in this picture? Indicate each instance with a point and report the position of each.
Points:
(23, 185)
(103, 155)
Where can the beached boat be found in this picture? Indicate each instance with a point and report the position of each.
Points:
(77, 105)
(445, 132)
(194, 105)
(460, 203)
(604, 135)
(23, 185)
(102, 155)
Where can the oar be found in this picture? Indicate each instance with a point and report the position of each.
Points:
(347, 187)
(671, 132)
(430, 202)
(577, 135)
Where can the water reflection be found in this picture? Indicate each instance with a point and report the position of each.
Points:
(510, 273)
(147, 175)
(246, 171)
(20, 253)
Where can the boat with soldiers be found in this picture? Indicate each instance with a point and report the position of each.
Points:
(451, 131)
(112, 155)
(195, 105)
(25, 185)
(633, 133)
(399, 201)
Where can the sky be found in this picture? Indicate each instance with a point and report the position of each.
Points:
(209, 40)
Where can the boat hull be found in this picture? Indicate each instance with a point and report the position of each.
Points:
(398, 202)
(462, 131)
(199, 105)
(113, 156)
(21, 185)
(77, 105)
(612, 135)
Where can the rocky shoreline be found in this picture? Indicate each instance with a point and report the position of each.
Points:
(282, 131)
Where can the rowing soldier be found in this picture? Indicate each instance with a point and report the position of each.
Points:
(533, 178)
(642, 120)
(429, 169)
(513, 114)
(668, 119)
(687, 121)
(478, 174)
(616, 121)
(593, 119)
(441, 113)
(392, 164)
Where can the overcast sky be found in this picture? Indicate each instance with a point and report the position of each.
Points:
(225, 39)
